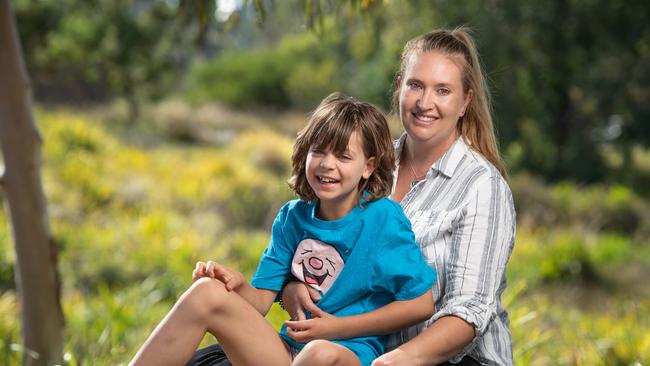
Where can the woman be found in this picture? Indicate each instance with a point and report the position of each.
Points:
(450, 183)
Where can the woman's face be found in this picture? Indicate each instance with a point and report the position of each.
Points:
(431, 99)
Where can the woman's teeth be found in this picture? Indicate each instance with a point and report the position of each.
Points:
(425, 118)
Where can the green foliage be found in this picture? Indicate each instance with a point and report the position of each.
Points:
(543, 327)
(6, 254)
(9, 329)
(131, 221)
(596, 208)
(242, 79)
(554, 110)
(299, 72)
(130, 224)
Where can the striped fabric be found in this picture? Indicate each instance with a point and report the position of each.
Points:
(463, 217)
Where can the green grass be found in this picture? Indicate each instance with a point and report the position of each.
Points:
(131, 219)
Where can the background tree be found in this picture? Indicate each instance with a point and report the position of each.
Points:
(37, 279)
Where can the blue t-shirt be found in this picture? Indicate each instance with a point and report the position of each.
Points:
(359, 263)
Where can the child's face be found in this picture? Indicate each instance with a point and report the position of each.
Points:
(335, 179)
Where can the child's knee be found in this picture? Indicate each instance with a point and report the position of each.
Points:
(204, 297)
(321, 353)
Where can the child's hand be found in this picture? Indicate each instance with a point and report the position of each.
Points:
(325, 327)
(299, 298)
(232, 279)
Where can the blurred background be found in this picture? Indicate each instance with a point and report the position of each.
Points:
(168, 128)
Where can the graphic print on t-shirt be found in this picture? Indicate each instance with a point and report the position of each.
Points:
(317, 264)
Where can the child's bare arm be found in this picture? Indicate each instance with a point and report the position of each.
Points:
(385, 320)
(260, 299)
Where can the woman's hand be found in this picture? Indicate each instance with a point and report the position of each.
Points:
(396, 357)
(232, 279)
(299, 298)
(326, 326)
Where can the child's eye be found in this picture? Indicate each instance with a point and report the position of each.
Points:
(345, 157)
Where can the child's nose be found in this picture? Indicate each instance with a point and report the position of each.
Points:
(327, 161)
(315, 263)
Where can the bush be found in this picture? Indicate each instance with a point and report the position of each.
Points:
(299, 72)
(596, 208)
(310, 82)
(242, 79)
(265, 150)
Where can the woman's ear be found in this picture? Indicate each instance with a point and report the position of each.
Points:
(398, 81)
(468, 98)
(371, 164)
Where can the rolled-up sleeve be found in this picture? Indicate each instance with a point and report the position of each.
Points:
(481, 244)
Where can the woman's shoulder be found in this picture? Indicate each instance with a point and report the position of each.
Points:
(482, 170)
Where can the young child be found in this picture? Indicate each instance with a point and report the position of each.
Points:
(343, 237)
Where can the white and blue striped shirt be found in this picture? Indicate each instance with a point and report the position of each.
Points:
(463, 217)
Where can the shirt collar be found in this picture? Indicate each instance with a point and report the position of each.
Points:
(447, 163)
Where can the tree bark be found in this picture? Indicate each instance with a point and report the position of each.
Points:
(37, 279)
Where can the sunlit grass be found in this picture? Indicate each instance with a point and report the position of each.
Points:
(131, 221)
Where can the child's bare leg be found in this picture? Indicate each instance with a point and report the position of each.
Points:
(208, 306)
(325, 353)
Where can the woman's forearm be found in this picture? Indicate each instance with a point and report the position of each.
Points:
(390, 318)
(441, 341)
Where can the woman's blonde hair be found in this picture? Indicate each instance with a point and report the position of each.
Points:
(330, 126)
(476, 125)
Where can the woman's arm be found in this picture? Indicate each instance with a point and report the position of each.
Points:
(385, 320)
(437, 344)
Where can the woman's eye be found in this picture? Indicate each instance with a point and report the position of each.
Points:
(443, 91)
(414, 86)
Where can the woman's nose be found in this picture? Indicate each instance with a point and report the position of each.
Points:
(425, 101)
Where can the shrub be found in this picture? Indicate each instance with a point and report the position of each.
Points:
(596, 208)
(309, 82)
(266, 150)
(241, 79)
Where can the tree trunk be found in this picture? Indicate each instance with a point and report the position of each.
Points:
(37, 280)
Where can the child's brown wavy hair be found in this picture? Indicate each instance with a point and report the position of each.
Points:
(330, 126)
